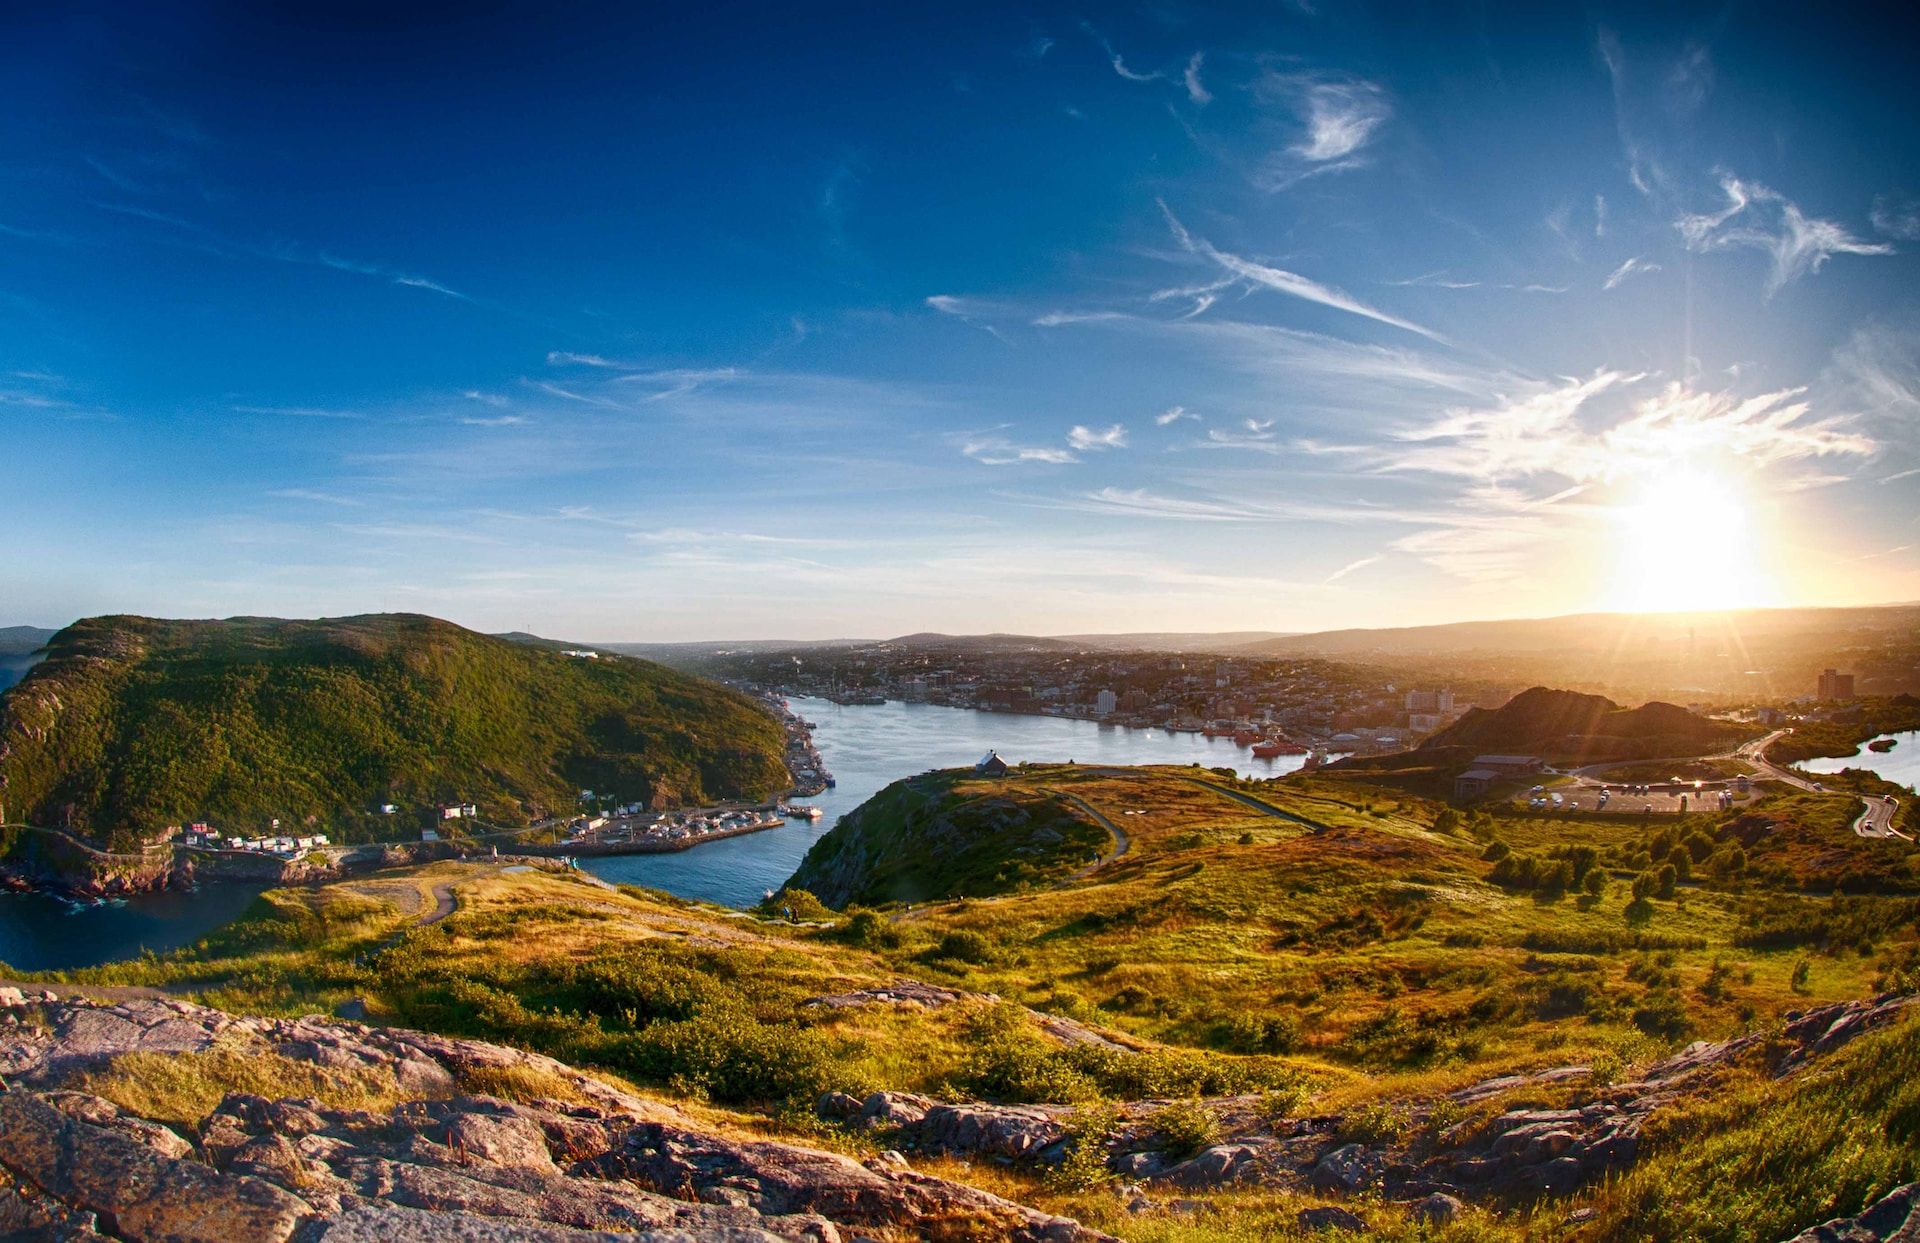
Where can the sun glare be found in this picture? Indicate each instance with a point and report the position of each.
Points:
(1686, 541)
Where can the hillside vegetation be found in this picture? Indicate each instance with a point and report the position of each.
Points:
(1311, 963)
(945, 835)
(131, 724)
(1566, 725)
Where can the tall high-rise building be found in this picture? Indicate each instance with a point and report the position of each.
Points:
(1105, 702)
(1835, 685)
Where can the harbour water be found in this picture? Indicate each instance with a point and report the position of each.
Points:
(1900, 765)
(867, 747)
(41, 932)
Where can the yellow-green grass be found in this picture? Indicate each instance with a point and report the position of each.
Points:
(1196, 926)
(1370, 960)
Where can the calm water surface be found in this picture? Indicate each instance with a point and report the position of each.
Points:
(869, 747)
(39, 932)
(1902, 764)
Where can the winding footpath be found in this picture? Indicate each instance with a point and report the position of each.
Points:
(1121, 842)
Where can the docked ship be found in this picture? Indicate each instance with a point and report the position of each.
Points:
(1274, 747)
(800, 811)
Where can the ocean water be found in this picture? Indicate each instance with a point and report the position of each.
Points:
(868, 747)
(1902, 764)
(41, 932)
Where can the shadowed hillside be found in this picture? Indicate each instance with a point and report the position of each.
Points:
(1568, 725)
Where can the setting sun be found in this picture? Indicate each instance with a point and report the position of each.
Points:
(1686, 541)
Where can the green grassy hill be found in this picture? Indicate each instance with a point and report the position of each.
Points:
(133, 723)
(949, 835)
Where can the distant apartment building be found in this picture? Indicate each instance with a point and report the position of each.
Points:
(1105, 703)
(1430, 703)
(1835, 685)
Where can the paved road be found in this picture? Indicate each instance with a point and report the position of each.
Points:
(1877, 818)
(1755, 753)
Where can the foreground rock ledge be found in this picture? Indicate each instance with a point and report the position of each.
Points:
(602, 1164)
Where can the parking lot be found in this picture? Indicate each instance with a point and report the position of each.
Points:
(1620, 800)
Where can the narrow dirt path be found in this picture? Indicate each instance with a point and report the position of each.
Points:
(443, 904)
(1121, 842)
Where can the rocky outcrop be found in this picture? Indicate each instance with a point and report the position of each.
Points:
(1521, 1154)
(1894, 1218)
(589, 1162)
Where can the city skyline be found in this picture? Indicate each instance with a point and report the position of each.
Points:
(735, 324)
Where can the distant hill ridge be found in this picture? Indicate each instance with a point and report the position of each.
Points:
(1570, 725)
(133, 723)
(1603, 630)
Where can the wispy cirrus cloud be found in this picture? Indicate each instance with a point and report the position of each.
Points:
(1331, 120)
(1635, 266)
(1761, 219)
(197, 236)
(1352, 566)
(1119, 64)
(1897, 215)
(300, 412)
(1279, 280)
(315, 495)
(1341, 117)
(993, 449)
(1554, 433)
(970, 311)
(1196, 90)
(1174, 414)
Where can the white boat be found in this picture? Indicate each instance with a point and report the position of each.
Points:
(799, 811)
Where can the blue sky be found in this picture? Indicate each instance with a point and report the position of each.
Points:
(806, 321)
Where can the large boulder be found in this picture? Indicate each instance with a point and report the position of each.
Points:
(1350, 1168)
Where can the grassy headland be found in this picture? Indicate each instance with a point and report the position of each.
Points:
(132, 724)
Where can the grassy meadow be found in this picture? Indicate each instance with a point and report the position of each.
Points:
(1328, 946)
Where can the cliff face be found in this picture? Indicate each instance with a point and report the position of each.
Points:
(396, 1135)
